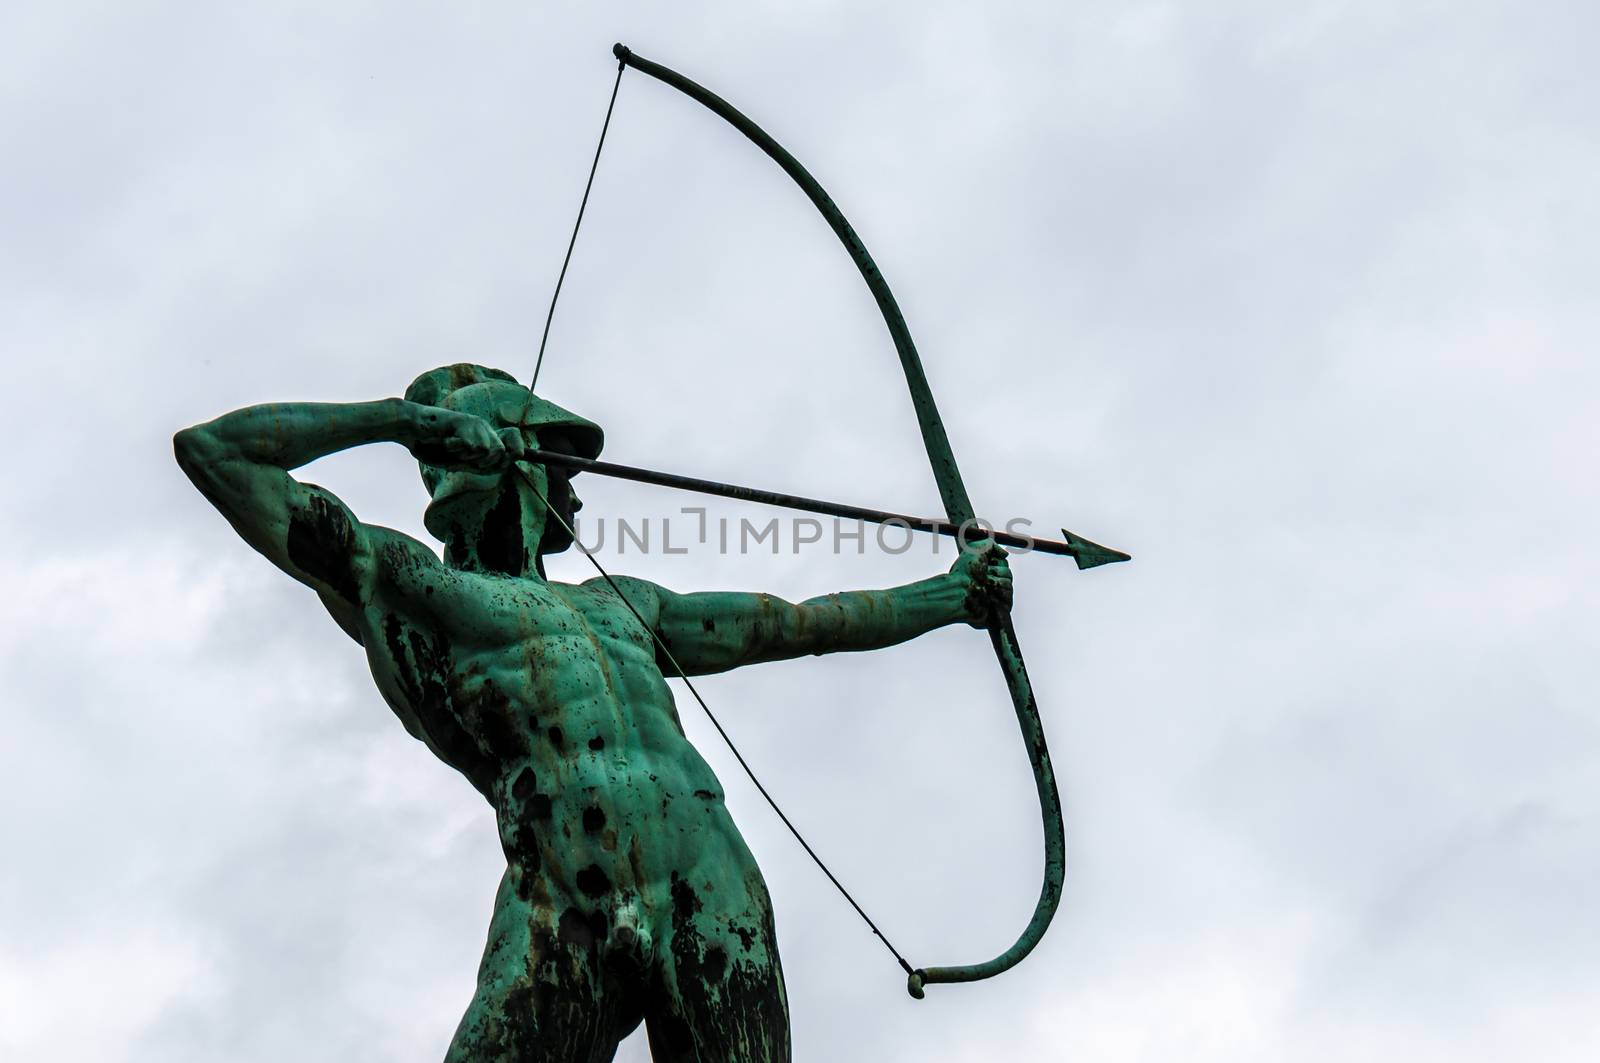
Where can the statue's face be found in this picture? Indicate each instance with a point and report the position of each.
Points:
(502, 507)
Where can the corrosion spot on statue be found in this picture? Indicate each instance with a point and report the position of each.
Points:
(684, 902)
(499, 734)
(527, 859)
(574, 929)
(593, 881)
(321, 542)
(500, 543)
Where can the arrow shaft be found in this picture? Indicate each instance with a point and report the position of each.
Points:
(809, 505)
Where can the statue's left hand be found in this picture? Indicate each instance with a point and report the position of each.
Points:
(987, 577)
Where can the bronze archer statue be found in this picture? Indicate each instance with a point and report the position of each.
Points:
(629, 894)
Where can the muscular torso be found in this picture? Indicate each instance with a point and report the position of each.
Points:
(548, 697)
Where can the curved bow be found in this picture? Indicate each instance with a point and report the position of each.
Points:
(957, 506)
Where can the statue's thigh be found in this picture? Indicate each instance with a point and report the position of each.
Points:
(557, 1011)
(720, 993)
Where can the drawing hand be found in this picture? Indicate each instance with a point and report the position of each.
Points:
(449, 439)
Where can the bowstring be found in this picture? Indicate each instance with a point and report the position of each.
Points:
(573, 241)
(661, 645)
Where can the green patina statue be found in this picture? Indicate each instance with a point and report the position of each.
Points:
(628, 894)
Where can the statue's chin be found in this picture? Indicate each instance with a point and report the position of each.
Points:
(555, 541)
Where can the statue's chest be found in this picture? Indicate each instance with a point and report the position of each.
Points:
(511, 658)
(547, 626)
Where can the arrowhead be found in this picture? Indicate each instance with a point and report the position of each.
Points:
(1088, 554)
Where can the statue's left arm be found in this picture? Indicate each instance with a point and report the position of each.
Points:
(715, 631)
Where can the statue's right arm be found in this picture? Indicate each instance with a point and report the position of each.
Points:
(241, 463)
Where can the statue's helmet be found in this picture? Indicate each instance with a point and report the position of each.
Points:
(435, 387)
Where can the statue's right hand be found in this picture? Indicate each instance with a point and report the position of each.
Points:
(448, 439)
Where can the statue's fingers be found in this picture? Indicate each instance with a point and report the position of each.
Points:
(511, 442)
(491, 458)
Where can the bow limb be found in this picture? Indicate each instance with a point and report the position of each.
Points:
(957, 506)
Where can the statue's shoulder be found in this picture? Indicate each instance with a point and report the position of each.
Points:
(628, 594)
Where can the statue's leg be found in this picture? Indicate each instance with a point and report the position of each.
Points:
(543, 994)
(719, 994)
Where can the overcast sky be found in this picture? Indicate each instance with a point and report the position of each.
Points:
(1295, 302)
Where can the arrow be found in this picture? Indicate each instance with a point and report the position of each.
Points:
(1081, 550)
